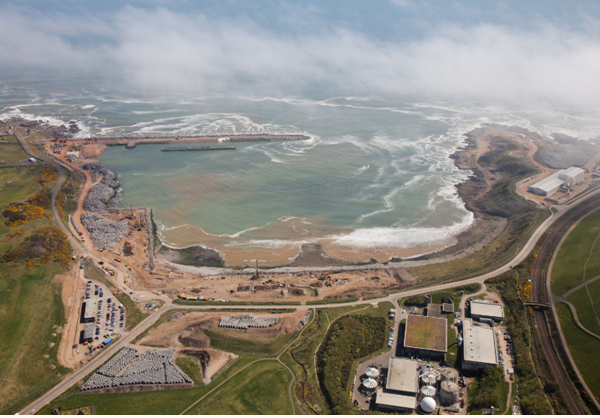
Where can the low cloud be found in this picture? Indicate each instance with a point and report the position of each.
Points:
(161, 50)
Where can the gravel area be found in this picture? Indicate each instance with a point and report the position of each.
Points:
(108, 177)
(72, 219)
(104, 233)
(97, 199)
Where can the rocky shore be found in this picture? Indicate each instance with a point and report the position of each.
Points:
(100, 195)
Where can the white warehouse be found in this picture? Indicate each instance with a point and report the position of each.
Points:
(551, 184)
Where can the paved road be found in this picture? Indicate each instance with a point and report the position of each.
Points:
(73, 378)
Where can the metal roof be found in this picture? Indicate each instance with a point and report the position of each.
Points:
(90, 308)
(403, 375)
(488, 309)
(479, 344)
(396, 400)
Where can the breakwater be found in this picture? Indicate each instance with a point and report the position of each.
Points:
(205, 148)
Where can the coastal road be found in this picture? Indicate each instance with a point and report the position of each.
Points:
(78, 375)
(96, 362)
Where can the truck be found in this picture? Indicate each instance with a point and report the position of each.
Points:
(107, 341)
(392, 313)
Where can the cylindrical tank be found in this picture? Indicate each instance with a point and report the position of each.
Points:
(369, 385)
(428, 391)
(449, 392)
(428, 405)
(372, 372)
(428, 299)
(428, 379)
(448, 373)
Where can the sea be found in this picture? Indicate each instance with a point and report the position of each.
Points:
(375, 179)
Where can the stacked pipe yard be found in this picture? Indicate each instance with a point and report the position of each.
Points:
(128, 368)
(304, 320)
(247, 320)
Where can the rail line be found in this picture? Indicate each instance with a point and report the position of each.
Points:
(537, 280)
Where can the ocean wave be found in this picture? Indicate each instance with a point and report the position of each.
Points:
(384, 237)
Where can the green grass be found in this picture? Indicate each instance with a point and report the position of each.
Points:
(585, 310)
(191, 367)
(567, 271)
(229, 341)
(503, 389)
(582, 346)
(31, 311)
(17, 184)
(11, 151)
(453, 349)
(261, 389)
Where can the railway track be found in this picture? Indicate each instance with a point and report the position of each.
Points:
(537, 282)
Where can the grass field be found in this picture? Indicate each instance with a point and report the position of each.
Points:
(17, 184)
(191, 367)
(229, 341)
(11, 150)
(568, 269)
(585, 310)
(582, 346)
(261, 389)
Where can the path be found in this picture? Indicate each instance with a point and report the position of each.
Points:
(73, 378)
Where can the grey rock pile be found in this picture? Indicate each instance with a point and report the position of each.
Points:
(75, 225)
(104, 233)
(247, 320)
(98, 198)
(108, 177)
(154, 367)
(304, 320)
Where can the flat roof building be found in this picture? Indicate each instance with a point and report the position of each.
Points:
(403, 375)
(89, 313)
(402, 386)
(479, 346)
(552, 183)
(88, 333)
(426, 337)
(486, 310)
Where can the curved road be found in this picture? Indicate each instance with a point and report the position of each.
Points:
(79, 374)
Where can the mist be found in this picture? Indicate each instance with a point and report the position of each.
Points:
(160, 51)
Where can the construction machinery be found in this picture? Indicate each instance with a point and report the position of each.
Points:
(256, 275)
(327, 275)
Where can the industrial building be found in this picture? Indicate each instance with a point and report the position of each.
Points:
(402, 386)
(88, 333)
(426, 337)
(486, 310)
(89, 313)
(551, 184)
(479, 346)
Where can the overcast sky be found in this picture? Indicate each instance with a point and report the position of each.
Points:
(505, 53)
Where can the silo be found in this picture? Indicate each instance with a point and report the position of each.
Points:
(449, 392)
(428, 379)
(369, 385)
(428, 299)
(450, 374)
(372, 372)
(428, 391)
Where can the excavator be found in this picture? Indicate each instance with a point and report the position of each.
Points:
(327, 275)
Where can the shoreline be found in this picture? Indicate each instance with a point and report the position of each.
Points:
(200, 257)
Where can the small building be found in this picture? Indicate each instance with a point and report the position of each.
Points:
(448, 308)
(402, 386)
(486, 310)
(88, 333)
(552, 183)
(479, 347)
(89, 313)
(426, 337)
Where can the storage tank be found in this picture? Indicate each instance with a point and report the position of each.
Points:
(428, 391)
(428, 379)
(448, 373)
(428, 405)
(449, 392)
(369, 385)
(372, 372)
